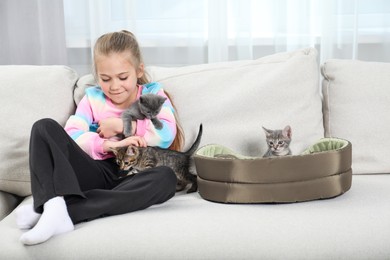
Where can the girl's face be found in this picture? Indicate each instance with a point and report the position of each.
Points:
(118, 78)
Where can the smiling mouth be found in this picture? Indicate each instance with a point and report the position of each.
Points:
(115, 94)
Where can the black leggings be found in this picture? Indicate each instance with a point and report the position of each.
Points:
(91, 188)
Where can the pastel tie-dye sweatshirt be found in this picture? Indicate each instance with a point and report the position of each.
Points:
(95, 106)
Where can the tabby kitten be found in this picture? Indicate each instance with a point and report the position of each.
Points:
(147, 106)
(278, 142)
(133, 159)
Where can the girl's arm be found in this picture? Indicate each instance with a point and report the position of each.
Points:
(80, 127)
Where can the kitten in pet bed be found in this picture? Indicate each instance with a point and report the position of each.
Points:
(147, 106)
(278, 142)
(134, 159)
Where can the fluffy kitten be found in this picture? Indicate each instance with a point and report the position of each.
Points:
(134, 159)
(278, 142)
(147, 106)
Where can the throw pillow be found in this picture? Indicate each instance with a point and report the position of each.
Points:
(356, 107)
(29, 93)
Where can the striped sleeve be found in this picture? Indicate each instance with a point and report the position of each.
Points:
(82, 128)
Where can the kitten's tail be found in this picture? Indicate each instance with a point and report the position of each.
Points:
(196, 143)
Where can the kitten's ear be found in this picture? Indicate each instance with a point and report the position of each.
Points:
(267, 131)
(287, 131)
(116, 150)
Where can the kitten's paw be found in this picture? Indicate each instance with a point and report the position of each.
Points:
(126, 134)
(127, 130)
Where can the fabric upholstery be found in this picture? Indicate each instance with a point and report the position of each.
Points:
(356, 107)
(355, 225)
(29, 93)
(234, 100)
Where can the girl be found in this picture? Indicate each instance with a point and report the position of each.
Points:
(73, 173)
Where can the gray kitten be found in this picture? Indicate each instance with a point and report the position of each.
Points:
(278, 142)
(147, 106)
(133, 159)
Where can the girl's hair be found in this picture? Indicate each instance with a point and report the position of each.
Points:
(119, 42)
(125, 41)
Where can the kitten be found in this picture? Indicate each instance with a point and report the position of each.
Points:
(278, 142)
(147, 106)
(134, 159)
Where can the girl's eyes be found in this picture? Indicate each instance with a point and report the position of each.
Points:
(107, 80)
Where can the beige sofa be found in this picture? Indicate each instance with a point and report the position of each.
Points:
(233, 100)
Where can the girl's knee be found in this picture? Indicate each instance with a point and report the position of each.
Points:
(43, 125)
(44, 121)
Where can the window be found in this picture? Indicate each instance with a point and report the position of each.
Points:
(180, 32)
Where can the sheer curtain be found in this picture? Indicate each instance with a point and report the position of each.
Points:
(182, 32)
(32, 32)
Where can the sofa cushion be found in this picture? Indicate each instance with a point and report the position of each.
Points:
(234, 100)
(356, 107)
(353, 226)
(83, 83)
(29, 93)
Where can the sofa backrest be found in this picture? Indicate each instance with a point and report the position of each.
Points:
(235, 99)
(29, 93)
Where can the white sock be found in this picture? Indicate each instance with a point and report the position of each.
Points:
(55, 220)
(26, 217)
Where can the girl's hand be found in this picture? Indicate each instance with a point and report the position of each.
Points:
(131, 140)
(110, 127)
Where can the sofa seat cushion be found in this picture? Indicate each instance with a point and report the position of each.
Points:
(353, 226)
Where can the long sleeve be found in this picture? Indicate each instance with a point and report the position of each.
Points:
(83, 124)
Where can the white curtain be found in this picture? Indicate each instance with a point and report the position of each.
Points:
(32, 32)
(182, 32)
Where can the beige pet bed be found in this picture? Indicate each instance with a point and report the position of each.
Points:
(322, 171)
